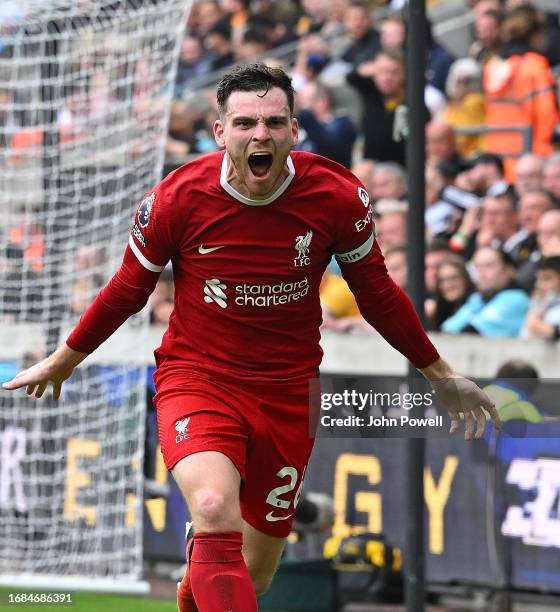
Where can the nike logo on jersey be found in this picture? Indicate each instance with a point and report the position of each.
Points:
(205, 250)
(270, 517)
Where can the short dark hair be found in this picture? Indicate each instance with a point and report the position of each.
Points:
(490, 159)
(254, 77)
(526, 375)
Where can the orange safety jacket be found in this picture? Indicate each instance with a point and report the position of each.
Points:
(519, 93)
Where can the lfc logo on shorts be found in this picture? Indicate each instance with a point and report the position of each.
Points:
(181, 429)
(302, 248)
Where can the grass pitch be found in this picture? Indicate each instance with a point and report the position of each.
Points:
(91, 602)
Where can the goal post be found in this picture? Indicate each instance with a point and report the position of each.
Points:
(85, 94)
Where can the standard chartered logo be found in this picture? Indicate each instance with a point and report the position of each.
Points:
(214, 291)
(256, 295)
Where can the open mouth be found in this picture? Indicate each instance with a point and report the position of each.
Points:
(260, 163)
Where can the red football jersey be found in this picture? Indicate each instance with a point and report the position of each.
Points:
(247, 272)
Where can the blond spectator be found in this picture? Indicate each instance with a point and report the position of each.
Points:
(466, 107)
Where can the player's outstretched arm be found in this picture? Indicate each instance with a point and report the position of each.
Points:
(125, 294)
(460, 395)
(55, 369)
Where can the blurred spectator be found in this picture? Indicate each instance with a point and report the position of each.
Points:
(441, 147)
(438, 213)
(483, 6)
(531, 207)
(218, 43)
(254, 44)
(391, 230)
(312, 57)
(488, 36)
(181, 139)
(498, 308)
(548, 233)
(90, 260)
(519, 88)
(364, 38)
(381, 86)
(161, 300)
(543, 320)
(334, 25)
(528, 174)
(273, 30)
(466, 107)
(192, 63)
(26, 245)
(365, 171)
(336, 298)
(324, 133)
(486, 176)
(235, 19)
(314, 16)
(389, 181)
(393, 38)
(204, 15)
(453, 287)
(499, 224)
(439, 61)
(551, 176)
(445, 203)
(548, 245)
(516, 381)
(393, 33)
(84, 289)
(397, 264)
(436, 253)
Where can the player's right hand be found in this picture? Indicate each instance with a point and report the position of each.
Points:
(54, 369)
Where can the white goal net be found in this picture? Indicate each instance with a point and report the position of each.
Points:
(85, 91)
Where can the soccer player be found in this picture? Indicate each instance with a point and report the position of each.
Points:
(249, 232)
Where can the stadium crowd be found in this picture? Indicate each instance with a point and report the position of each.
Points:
(492, 262)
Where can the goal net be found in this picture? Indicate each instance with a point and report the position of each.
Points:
(85, 92)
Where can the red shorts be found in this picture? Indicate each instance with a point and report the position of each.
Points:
(263, 429)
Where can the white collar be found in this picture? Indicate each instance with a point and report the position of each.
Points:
(238, 196)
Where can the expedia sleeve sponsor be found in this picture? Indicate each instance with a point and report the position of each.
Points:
(358, 253)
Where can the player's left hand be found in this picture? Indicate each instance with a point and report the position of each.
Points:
(462, 397)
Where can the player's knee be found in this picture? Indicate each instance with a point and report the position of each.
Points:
(214, 511)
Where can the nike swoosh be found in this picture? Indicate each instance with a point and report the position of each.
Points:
(270, 517)
(204, 250)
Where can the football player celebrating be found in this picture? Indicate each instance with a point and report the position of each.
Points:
(249, 231)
